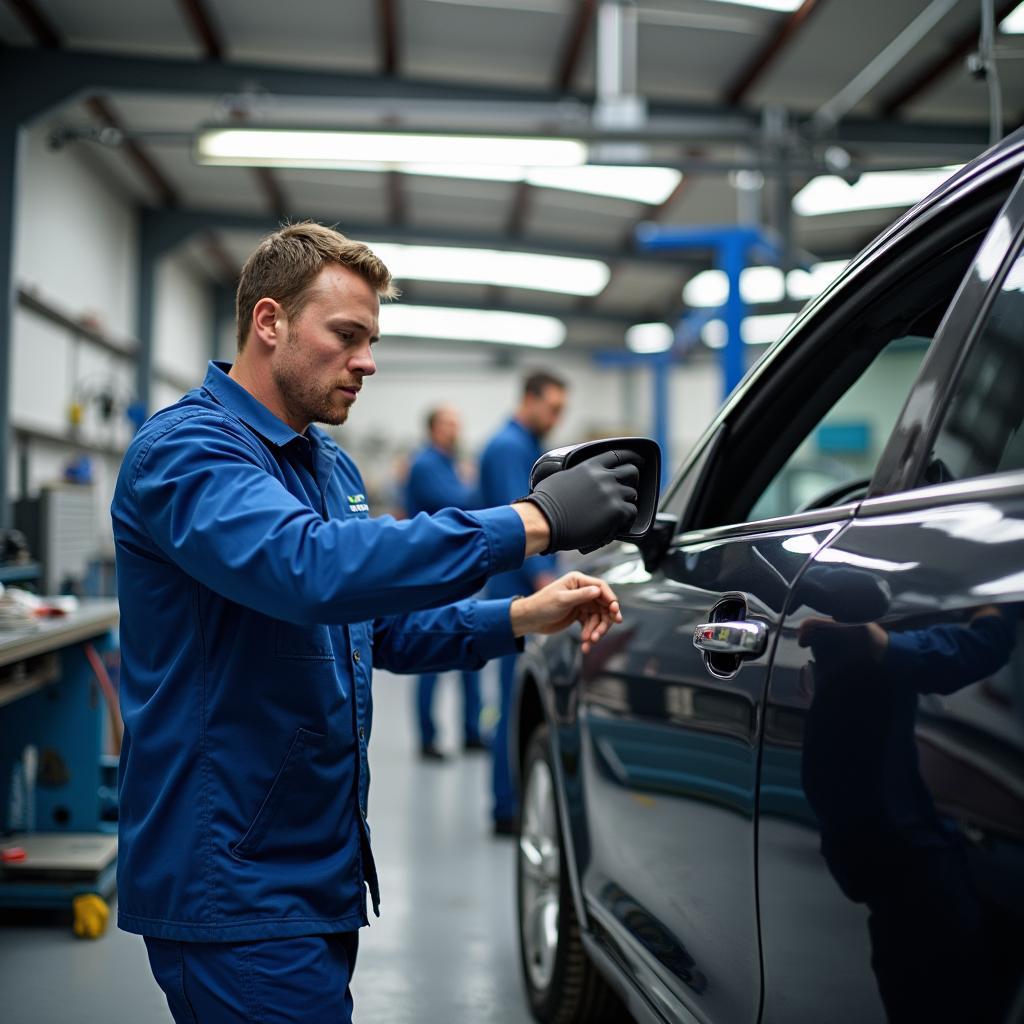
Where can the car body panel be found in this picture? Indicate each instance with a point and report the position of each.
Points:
(891, 819)
(668, 769)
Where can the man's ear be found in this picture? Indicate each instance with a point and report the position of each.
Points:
(267, 320)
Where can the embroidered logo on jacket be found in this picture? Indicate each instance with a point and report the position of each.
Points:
(357, 503)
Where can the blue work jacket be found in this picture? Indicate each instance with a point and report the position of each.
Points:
(434, 484)
(505, 476)
(255, 596)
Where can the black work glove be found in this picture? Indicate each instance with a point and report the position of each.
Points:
(589, 505)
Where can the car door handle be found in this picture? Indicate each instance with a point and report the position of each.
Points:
(747, 639)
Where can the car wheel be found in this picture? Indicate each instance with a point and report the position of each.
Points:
(562, 984)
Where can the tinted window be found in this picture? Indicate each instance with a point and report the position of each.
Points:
(836, 460)
(982, 432)
(812, 438)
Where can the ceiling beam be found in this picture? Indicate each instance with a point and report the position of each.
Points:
(568, 62)
(569, 57)
(173, 227)
(762, 61)
(227, 269)
(929, 75)
(387, 28)
(39, 26)
(202, 25)
(102, 109)
(47, 36)
(35, 81)
(273, 192)
(198, 17)
(397, 207)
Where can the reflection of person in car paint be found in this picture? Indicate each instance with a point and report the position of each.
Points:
(881, 835)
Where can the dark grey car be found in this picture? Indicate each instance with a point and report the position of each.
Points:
(789, 787)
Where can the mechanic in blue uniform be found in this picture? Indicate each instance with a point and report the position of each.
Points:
(434, 484)
(255, 595)
(505, 476)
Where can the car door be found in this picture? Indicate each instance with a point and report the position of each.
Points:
(891, 810)
(671, 709)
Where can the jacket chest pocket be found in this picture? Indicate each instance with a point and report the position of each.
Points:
(302, 643)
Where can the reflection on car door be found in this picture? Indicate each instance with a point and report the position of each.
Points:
(669, 762)
(891, 822)
(891, 811)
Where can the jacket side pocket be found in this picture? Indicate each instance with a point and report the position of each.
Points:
(288, 776)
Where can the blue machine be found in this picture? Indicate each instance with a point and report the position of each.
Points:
(50, 700)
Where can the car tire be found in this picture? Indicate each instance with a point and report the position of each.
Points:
(562, 985)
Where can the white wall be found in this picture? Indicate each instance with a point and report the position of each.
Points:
(183, 314)
(76, 239)
(76, 247)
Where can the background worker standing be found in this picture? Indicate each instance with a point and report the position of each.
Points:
(434, 484)
(256, 595)
(505, 466)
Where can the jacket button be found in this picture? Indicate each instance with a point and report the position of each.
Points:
(356, 656)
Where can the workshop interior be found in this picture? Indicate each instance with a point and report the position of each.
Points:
(770, 252)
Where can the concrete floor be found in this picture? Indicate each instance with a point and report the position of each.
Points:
(443, 950)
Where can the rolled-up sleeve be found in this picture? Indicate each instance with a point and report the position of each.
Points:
(465, 635)
(208, 502)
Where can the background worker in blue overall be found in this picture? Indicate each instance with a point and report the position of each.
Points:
(434, 484)
(505, 466)
(256, 595)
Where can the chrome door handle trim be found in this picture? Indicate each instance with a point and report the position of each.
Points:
(746, 638)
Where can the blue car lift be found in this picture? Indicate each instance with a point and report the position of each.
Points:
(735, 247)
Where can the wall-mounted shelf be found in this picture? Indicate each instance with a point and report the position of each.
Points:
(125, 348)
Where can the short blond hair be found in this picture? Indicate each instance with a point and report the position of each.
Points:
(285, 263)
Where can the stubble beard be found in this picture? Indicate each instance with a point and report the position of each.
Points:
(305, 400)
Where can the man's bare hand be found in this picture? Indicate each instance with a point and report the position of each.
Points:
(571, 598)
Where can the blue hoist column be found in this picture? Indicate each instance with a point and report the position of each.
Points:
(735, 247)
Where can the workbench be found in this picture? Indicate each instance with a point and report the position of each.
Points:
(51, 698)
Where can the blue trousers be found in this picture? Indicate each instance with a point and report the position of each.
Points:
(470, 706)
(506, 798)
(273, 981)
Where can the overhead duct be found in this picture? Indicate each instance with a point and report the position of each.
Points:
(618, 106)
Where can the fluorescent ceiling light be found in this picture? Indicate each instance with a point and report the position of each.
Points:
(486, 325)
(651, 185)
(1013, 23)
(270, 147)
(874, 190)
(710, 288)
(757, 284)
(566, 274)
(756, 330)
(767, 5)
(806, 284)
(655, 337)
(642, 184)
(552, 163)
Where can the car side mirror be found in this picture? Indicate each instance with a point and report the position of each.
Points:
(655, 543)
(649, 460)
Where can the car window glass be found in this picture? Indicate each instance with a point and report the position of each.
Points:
(812, 435)
(982, 430)
(838, 457)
